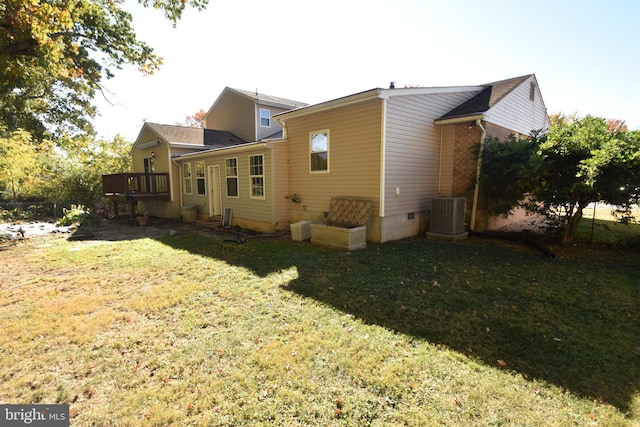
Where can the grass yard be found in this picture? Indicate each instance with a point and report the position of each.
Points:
(601, 227)
(187, 329)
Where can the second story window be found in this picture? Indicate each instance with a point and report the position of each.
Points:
(265, 118)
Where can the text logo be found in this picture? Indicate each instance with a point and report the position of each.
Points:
(34, 415)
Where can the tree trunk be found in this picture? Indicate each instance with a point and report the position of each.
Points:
(573, 223)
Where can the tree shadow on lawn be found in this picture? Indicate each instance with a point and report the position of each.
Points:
(572, 321)
(546, 319)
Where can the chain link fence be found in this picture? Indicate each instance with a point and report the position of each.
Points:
(30, 210)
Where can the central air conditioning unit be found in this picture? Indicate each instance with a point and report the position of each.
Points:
(447, 215)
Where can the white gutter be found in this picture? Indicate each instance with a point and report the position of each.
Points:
(284, 128)
(456, 120)
(227, 150)
(328, 105)
(476, 190)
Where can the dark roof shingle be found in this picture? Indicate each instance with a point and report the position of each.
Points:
(195, 136)
(487, 98)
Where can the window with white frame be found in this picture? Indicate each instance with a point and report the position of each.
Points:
(200, 178)
(186, 178)
(265, 118)
(231, 172)
(256, 176)
(319, 151)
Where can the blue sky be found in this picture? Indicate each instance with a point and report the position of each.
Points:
(585, 54)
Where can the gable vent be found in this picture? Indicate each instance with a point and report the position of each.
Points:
(447, 215)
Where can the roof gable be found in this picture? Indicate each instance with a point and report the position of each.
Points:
(174, 134)
(257, 98)
(487, 98)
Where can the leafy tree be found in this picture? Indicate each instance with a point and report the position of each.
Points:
(616, 125)
(194, 121)
(54, 55)
(579, 161)
(74, 176)
(515, 159)
(20, 163)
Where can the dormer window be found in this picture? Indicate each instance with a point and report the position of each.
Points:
(265, 118)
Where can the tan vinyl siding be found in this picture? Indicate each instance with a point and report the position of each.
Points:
(243, 207)
(280, 183)
(162, 163)
(354, 156)
(412, 150)
(518, 112)
(195, 199)
(234, 113)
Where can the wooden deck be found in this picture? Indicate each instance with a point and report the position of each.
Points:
(131, 188)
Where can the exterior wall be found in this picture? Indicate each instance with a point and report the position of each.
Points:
(518, 112)
(280, 183)
(354, 159)
(264, 132)
(412, 150)
(464, 167)
(447, 146)
(397, 227)
(163, 164)
(495, 131)
(234, 113)
(259, 214)
(467, 141)
(465, 144)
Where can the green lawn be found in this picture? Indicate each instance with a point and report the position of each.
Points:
(192, 330)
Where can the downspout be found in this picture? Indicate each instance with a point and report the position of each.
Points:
(284, 128)
(175, 162)
(476, 190)
(383, 160)
(440, 163)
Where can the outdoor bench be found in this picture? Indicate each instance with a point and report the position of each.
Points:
(346, 225)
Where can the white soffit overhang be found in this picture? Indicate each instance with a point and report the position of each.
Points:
(461, 119)
(149, 144)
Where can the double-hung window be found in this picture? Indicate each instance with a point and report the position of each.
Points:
(200, 178)
(256, 175)
(231, 172)
(186, 178)
(265, 118)
(319, 151)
